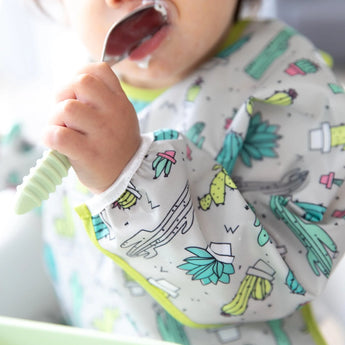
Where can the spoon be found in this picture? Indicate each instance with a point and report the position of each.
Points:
(123, 37)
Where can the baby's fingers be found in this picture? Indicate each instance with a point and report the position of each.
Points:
(90, 82)
(66, 141)
(104, 72)
(76, 115)
(88, 89)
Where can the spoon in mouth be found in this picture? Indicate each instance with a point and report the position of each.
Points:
(134, 29)
(122, 38)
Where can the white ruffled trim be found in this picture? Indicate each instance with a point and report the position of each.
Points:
(97, 203)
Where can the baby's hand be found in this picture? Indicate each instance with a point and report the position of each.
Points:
(95, 126)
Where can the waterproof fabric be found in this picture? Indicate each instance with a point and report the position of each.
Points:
(230, 214)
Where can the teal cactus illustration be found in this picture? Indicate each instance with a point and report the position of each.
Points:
(14, 139)
(163, 162)
(280, 335)
(232, 146)
(170, 329)
(210, 265)
(12, 136)
(13, 179)
(77, 293)
(101, 230)
(49, 259)
(315, 240)
(263, 236)
(193, 134)
(293, 284)
(260, 141)
(313, 212)
(233, 47)
(336, 89)
(302, 67)
(165, 134)
(269, 54)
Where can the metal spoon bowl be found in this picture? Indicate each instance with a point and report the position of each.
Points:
(128, 33)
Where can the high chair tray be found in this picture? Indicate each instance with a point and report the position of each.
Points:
(15, 331)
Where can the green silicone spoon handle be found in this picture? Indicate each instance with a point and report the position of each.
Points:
(41, 181)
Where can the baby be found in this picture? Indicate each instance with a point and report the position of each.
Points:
(214, 155)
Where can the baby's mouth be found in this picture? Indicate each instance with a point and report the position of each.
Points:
(136, 30)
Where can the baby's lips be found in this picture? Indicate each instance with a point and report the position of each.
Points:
(132, 32)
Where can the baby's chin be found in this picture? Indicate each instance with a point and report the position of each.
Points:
(150, 74)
